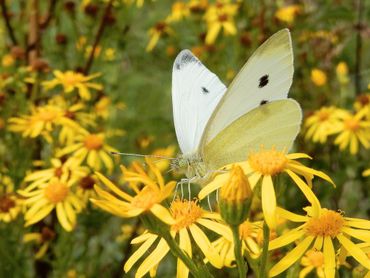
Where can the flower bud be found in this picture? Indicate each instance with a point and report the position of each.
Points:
(235, 197)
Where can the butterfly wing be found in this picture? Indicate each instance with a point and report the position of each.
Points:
(275, 124)
(266, 76)
(195, 93)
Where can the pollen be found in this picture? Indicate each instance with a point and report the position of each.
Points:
(93, 142)
(6, 204)
(316, 258)
(352, 124)
(268, 162)
(185, 213)
(145, 199)
(330, 223)
(56, 192)
(323, 115)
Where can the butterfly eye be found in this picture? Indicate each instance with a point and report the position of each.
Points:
(264, 80)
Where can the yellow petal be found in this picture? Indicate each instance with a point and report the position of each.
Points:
(216, 227)
(62, 217)
(286, 238)
(290, 258)
(268, 201)
(329, 258)
(114, 188)
(290, 215)
(218, 181)
(185, 244)
(354, 251)
(162, 213)
(363, 235)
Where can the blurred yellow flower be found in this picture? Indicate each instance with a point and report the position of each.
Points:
(42, 121)
(220, 16)
(69, 169)
(161, 29)
(197, 6)
(161, 163)
(342, 73)
(89, 49)
(109, 54)
(263, 166)
(10, 203)
(322, 123)
(366, 173)
(56, 194)
(103, 107)
(85, 188)
(179, 11)
(7, 60)
(353, 131)
(44, 238)
(71, 80)
(188, 217)
(312, 260)
(321, 229)
(363, 103)
(147, 198)
(287, 14)
(92, 147)
(249, 233)
(318, 77)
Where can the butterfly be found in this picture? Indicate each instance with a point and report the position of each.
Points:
(216, 126)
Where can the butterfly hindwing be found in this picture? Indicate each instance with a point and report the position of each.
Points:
(275, 124)
(195, 93)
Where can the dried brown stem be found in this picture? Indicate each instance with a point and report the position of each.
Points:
(33, 32)
(359, 29)
(98, 37)
(5, 15)
(49, 15)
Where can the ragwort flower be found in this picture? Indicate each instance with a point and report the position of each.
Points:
(321, 229)
(323, 123)
(220, 16)
(161, 29)
(92, 147)
(10, 203)
(150, 192)
(312, 260)
(261, 167)
(56, 194)
(287, 14)
(44, 238)
(188, 217)
(71, 80)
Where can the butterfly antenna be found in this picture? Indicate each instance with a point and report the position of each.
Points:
(143, 155)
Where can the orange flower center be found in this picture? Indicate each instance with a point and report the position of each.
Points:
(47, 115)
(71, 78)
(185, 213)
(323, 115)
(329, 223)
(6, 203)
(316, 258)
(269, 162)
(93, 142)
(56, 192)
(146, 198)
(352, 124)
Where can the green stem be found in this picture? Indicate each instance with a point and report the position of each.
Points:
(242, 266)
(266, 239)
(177, 252)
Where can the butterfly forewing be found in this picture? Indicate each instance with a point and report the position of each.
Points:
(267, 76)
(195, 93)
(275, 124)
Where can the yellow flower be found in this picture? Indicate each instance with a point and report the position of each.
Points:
(220, 16)
(318, 77)
(44, 238)
(287, 14)
(56, 194)
(10, 203)
(188, 217)
(69, 169)
(163, 164)
(322, 229)
(261, 167)
(148, 197)
(7, 60)
(322, 123)
(197, 6)
(89, 49)
(353, 131)
(250, 233)
(342, 73)
(179, 11)
(92, 147)
(74, 80)
(366, 173)
(103, 107)
(42, 121)
(161, 29)
(313, 259)
(109, 54)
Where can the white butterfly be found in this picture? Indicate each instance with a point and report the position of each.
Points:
(216, 126)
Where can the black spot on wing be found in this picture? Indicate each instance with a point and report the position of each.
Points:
(205, 90)
(184, 58)
(263, 102)
(264, 80)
